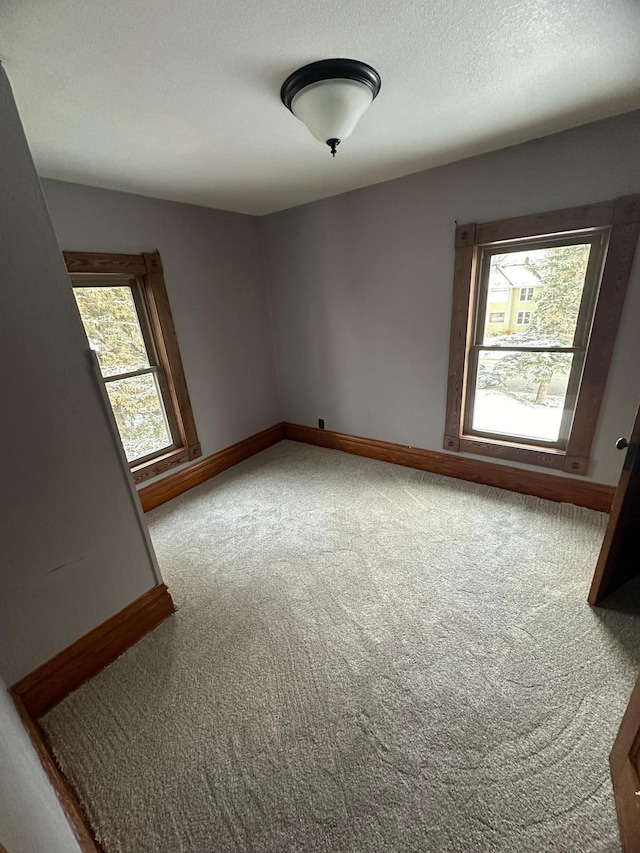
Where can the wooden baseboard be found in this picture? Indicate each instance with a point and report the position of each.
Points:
(50, 683)
(549, 486)
(552, 487)
(175, 484)
(65, 793)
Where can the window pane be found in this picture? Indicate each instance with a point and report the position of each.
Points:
(521, 393)
(140, 416)
(538, 294)
(111, 322)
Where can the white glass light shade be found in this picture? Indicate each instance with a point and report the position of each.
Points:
(332, 108)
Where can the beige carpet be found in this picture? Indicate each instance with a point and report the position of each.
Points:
(365, 658)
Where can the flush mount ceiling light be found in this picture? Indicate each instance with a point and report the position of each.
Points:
(331, 96)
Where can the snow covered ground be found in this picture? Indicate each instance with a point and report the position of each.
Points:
(495, 411)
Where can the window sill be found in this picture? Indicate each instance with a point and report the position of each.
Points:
(166, 461)
(544, 457)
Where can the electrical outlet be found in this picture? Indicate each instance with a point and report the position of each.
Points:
(320, 423)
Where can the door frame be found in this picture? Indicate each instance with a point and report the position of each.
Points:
(623, 762)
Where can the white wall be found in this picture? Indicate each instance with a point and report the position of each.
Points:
(31, 818)
(360, 285)
(71, 551)
(214, 274)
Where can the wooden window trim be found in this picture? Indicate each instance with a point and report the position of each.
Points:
(622, 218)
(147, 269)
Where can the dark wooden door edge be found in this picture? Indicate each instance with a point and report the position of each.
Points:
(625, 785)
(64, 792)
(50, 683)
(623, 762)
(600, 584)
(170, 487)
(617, 562)
(597, 496)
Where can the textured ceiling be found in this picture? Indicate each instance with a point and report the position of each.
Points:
(180, 100)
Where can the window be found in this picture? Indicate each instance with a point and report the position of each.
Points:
(497, 316)
(125, 312)
(531, 391)
(114, 317)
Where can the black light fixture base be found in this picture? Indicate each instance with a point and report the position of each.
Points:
(329, 69)
(333, 144)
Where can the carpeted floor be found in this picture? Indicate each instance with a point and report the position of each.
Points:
(365, 658)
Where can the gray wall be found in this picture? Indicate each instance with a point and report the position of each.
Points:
(71, 550)
(31, 818)
(214, 274)
(360, 285)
